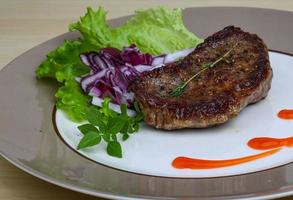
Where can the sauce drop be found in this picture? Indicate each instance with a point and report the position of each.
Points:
(265, 143)
(193, 163)
(285, 114)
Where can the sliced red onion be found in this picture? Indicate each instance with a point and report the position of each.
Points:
(114, 93)
(84, 59)
(91, 79)
(112, 54)
(129, 96)
(143, 68)
(107, 62)
(158, 66)
(94, 61)
(99, 62)
(129, 72)
(159, 60)
(133, 56)
(120, 80)
(112, 70)
(95, 92)
(172, 57)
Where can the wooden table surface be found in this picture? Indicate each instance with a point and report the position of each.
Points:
(26, 23)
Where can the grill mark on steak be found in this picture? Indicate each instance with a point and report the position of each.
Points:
(219, 93)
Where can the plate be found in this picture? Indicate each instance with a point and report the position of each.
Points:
(28, 138)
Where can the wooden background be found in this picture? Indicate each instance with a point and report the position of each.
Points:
(26, 23)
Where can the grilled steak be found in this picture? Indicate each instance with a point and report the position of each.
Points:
(216, 95)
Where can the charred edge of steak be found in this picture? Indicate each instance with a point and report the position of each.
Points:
(164, 113)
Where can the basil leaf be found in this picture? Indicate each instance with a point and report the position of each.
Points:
(124, 130)
(86, 128)
(114, 137)
(133, 127)
(106, 110)
(114, 149)
(116, 124)
(94, 116)
(125, 136)
(123, 109)
(106, 137)
(88, 140)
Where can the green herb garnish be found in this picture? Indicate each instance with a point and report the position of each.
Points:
(105, 124)
(179, 89)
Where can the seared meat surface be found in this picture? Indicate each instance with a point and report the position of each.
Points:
(218, 94)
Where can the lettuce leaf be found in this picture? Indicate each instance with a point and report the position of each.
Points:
(72, 100)
(95, 29)
(63, 63)
(157, 31)
(154, 31)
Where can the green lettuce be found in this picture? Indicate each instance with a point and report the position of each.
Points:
(154, 31)
(63, 63)
(71, 99)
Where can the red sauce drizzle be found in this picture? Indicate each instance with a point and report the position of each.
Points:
(193, 163)
(285, 114)
(261, 143)
(265, 143)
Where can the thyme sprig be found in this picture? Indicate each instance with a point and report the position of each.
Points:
(179, 89)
